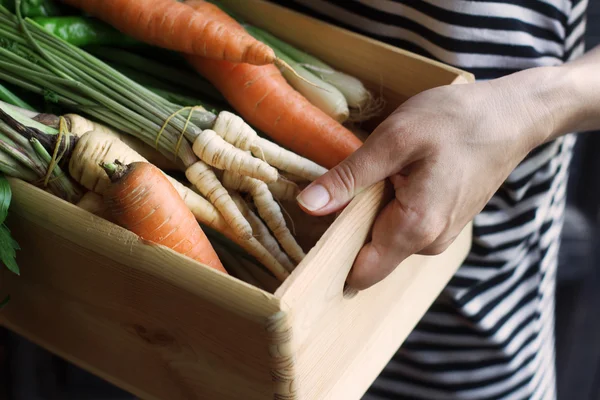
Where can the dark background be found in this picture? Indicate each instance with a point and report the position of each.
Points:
(28, 372)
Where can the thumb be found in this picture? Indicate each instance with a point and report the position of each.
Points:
(334, 189)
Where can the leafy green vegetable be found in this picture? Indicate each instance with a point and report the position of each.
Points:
(8, 246)
(5, 198)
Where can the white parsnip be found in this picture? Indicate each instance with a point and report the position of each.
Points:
(286, 160)
(284, 189)
(204, 179)
(236, 131)
(92, 202)
(215, 151)
(202, 209)
(79, 125)
(262, 234)
(268, 209)
(93, 148)
(293, 178)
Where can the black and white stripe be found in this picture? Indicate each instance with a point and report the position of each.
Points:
(490, 335)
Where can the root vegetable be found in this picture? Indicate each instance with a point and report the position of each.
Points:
(263, 98)
(204, 179)
(179, 27)
(236, 131)
(262, 234)
(268, 209)
(79, 125)
(215, 151)
(141, 199)
(284, 189)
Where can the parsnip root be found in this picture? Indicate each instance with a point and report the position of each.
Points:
(79, 125)
(286, 160)
(95, 147)
(284, 189)
(204, 179)
(236, 131)
(261, 232)
(268, 209)
(92, 202)
(215, 151)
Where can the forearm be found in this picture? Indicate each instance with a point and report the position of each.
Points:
(583, 77)
(552, 101)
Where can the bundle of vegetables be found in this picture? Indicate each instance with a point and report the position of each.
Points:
(136, 195)
(127, 115)
(23, 156)
(221, 155)
(245, 72)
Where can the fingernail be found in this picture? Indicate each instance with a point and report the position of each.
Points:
(314, 197)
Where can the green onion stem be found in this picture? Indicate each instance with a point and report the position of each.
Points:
(27, 121)
(9, 166)
(180, 78)
(9, 97)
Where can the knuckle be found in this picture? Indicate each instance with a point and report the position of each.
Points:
(343, 178)
(426, 226)
(428, 235)
(435, 249)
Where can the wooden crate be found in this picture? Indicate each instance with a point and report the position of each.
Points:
(165, 327)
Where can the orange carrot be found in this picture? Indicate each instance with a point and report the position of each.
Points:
(214, 12)
(262, 96)
(177, 26)
(142, 200)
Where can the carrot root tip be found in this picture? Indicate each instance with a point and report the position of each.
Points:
(282, 64)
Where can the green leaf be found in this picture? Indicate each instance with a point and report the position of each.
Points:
(8, 248)
(5, 198)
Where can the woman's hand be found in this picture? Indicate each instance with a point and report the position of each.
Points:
(446, 151)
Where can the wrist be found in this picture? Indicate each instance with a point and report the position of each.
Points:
(548, 101)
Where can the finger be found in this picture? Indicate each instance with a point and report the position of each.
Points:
(441, 244)
(379, 157)
(436, 248)
(398, 233)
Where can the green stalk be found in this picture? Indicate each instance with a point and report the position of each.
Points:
(182, 99)
(8, 147)
(62, 185)
(115, 77)
(144, 108)
(10, 167)
(203, 120)
(9, 97)
(77, 76)
(46, 80)
(22, 119)
(177, 77)
(36, 89)
(166, 91)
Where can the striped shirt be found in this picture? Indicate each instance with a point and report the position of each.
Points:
(490, 334)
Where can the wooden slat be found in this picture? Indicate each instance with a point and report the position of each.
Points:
(143, 317)
(342, 344)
